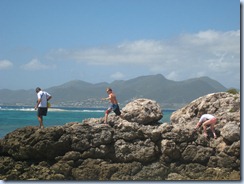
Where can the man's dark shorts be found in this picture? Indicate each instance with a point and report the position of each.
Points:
(115, 108)
(117, 111)
(42, 111)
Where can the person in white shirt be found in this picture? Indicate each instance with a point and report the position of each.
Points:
(42, 104)
(207, 120)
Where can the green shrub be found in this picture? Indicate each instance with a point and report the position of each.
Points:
(233, 91)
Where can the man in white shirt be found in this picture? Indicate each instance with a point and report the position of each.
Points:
(42, 104)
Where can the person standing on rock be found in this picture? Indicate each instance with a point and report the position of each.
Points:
(207, 120)
(42, 104)
(114, 104)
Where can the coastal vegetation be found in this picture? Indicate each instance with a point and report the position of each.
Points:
(232, 91)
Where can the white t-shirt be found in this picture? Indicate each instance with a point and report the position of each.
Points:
(204, 117)
(43, 95)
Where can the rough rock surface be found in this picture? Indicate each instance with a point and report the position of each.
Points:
(127, 150)
(142, 111)
(224, 106)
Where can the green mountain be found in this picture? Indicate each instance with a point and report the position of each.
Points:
(83, 94)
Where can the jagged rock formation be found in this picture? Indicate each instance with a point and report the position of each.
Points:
(142, 111)
(129, 150)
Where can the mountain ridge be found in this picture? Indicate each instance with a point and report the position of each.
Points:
(84, 94)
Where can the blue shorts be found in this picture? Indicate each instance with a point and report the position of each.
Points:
(115, 108)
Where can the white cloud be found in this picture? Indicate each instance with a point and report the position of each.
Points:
(189, 47)
(139, 52)
(35, 64)
(5, 64)
(173, 75)
(209, 52)
(117, 76)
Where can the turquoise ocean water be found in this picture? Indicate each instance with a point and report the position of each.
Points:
(13, 117)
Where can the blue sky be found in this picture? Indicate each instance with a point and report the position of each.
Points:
(49, 42)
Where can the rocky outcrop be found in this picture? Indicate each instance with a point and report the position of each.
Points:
(142, 111)
(128, 150)
(224, 106)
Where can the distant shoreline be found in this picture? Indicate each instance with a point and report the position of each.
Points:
(70, 107)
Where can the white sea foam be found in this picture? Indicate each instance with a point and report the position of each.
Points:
(74, 110)
(17, 109)
(27, 109)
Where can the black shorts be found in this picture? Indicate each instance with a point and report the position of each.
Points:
(117, 111)
(42, 111)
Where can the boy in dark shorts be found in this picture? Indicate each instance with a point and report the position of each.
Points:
(114, 104)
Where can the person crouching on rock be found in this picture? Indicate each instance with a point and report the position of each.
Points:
(207, 120)
(114, 104)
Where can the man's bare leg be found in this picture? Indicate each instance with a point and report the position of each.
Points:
(40, 119)
(106, 118)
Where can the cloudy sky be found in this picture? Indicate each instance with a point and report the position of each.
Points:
(49, 42)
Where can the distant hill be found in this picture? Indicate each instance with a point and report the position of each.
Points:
(169, 93)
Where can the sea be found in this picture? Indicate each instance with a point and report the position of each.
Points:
(14, 117)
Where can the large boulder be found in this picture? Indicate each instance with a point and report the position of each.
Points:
(231, 132)
(143, 111)
(224, 106)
